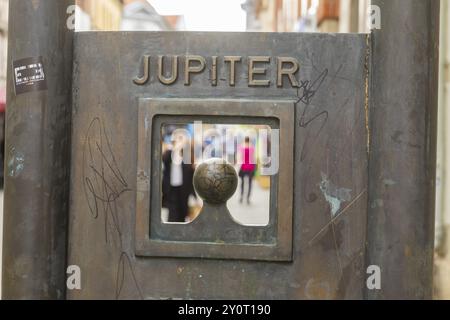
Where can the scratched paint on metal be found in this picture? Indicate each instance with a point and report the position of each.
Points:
(329, 111)
(15, 164)
(333, 195)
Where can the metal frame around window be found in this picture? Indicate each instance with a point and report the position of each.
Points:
(280, 249)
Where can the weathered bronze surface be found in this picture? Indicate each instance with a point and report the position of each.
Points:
(258, 68)
(146, 72)
(191, 68)
(328, 241)
(290, 72)
(174, 73)
(214, 234)
(253, 70)
(232, 60)
(403, 122)
(330, 149)
(215, 181)
(37, 153)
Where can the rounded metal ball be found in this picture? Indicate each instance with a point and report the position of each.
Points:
(215, 181)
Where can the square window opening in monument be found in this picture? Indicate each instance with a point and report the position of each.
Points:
(218, 163)
(218, 232)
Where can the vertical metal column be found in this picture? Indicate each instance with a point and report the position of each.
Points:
(403, 148)
(37, 153)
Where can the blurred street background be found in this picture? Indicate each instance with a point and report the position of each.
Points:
(249, 205)
(264, 16)
(1, 237)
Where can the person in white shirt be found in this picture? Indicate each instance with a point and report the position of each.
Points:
(177, 186)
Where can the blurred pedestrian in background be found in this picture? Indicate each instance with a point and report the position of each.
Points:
(248, 167)
(177, 183)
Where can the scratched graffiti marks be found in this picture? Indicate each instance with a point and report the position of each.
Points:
(103, 186)
(310, 112)
(313, 119)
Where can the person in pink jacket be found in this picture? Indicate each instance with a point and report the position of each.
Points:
(248, 167)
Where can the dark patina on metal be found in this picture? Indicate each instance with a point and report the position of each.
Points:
(215, 181)
(214, 234)
(345, 111)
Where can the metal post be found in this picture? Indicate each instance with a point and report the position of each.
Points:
(403, 148)
(37, 149)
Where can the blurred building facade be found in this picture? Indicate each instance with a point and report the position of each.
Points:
(140, 15)
(354, 15)
(3, 64)
(307, 15)
(123, 15)
(99, 14)
(3, 41)
(442, 242)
